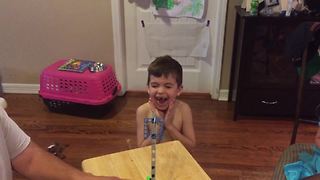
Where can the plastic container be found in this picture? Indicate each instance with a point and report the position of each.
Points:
(65, 90)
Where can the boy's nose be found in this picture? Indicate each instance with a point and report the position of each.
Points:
(161, 90)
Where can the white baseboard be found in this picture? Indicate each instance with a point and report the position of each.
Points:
(21, 88)
(223, 95)
(34, 89)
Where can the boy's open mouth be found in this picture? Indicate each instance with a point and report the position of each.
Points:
(161, 100)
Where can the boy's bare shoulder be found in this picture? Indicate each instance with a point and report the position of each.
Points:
(183, 105)
(144, 108)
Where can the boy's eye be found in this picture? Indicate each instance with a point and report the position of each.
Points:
(154, 85)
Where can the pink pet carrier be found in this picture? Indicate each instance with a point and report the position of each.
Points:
(63, 90)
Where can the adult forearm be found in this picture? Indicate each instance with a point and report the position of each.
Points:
(36, 163)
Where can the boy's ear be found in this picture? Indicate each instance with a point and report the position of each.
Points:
(180, 90)
(148, 90)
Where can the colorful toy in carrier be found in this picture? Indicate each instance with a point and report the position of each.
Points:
(78, 85)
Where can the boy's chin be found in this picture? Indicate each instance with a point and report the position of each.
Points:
(162, 108)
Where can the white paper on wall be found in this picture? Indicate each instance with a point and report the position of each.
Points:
(184, 40)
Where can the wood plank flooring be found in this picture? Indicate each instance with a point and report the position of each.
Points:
(245, 149)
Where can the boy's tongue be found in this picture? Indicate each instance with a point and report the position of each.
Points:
(162, 103)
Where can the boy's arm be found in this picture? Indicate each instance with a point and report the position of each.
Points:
(140, 115)
(187, 136)
(35, 163)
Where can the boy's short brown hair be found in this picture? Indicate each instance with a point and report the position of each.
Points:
(165, 65)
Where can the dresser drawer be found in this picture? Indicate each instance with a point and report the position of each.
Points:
(267, 102)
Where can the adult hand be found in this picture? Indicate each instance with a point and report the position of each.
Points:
(107, 178)
(91, 177)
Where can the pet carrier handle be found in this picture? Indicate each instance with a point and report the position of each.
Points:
(115, 90)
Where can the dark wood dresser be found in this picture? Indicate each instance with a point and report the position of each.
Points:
(263, 79)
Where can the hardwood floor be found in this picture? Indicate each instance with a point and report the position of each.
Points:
(245, 149)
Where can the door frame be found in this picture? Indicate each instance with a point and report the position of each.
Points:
(119, 43)
(117, 11)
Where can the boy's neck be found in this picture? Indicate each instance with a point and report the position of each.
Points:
(163, 111)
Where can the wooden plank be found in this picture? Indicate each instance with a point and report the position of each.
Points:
(173, 162)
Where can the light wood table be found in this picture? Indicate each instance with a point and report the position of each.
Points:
(173, 162)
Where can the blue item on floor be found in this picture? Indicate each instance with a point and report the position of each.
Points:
(307, 165)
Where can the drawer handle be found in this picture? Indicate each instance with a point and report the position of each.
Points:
(270, 102)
